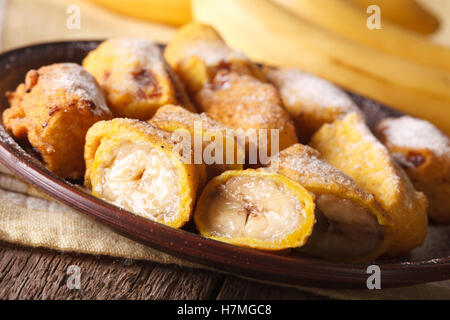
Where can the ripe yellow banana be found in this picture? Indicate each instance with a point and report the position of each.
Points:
(176, 12)
(269, 34)
(405, 13)
(349, 22)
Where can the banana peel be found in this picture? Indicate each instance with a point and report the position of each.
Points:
(349, 22)
(270, 34)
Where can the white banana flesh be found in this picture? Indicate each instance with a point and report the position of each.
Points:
(253, 207)
(141, 179)
(267, 33)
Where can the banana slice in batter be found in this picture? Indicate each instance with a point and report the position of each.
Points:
(53, 109)
(197, 52)
(230, 87)
(242, 102)
(349, 145)
(139, 168)
(256, 209)
(135, 77)
(351, 225)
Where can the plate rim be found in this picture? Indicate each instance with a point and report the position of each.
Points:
(250, 263)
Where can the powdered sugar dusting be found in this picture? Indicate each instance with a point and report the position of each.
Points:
(31, 202)
(74, 79)
(414, 133)
(241, 101)
(213, 52)
(298, 87)
(148, 129)
(175, 114)
(316, 169)
(129, 57)
(312, 170)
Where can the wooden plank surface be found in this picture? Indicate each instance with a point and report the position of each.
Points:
(27, 273)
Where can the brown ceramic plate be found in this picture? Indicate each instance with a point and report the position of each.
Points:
(431, 262)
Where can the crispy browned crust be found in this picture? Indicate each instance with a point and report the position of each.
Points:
(306, 166)
(349, 145)
(53, 119)
(104, 136)
(198, 52)
(311, 101)
(244, 102)
(135, 77)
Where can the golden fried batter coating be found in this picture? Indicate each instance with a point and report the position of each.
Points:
(243, 102)
(350, 222)
(311, 101)
(135, 77)
(424, 152)
(198, 52)
(53, 109)
(349, 145)
(214, 144)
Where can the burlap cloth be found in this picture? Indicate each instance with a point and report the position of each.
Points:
(28, 217)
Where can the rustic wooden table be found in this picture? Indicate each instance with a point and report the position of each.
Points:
(27, 273)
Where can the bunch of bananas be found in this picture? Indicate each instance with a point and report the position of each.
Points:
(395, 65)
(405, 13)
(176, 12)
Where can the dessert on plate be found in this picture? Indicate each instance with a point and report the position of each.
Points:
(349, 145)
(310, 100)
(424, 152)
(257, 209)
